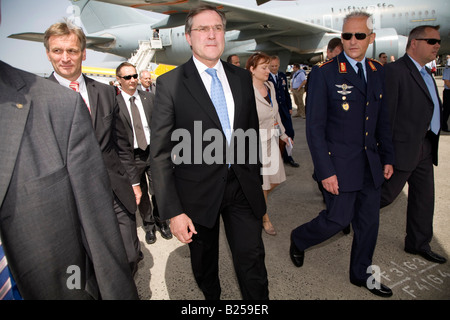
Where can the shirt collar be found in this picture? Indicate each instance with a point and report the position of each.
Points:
(127, 97)
(353, 62)
(65, 82)
(201, 67)
(418, 66)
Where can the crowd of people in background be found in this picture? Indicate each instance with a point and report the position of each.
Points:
(106, 153)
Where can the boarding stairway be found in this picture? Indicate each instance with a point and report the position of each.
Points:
(145, 53)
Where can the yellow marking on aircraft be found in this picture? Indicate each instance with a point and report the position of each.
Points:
(99, 72)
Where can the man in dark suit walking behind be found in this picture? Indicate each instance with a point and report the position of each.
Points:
(280, 83)
(66, 50)
(136, 109)
(415, 112)
(348, 135)
(204, 97)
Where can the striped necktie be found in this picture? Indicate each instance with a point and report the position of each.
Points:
(7, 284)
(220, 103)
(75, 86)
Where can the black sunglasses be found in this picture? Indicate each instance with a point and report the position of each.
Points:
(130, 76)
(431, 41)
(358, 35)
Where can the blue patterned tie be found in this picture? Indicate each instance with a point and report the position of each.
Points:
(218, 99)
(436, 119)
(6, 285)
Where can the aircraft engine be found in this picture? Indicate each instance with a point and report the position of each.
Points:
(387, 40)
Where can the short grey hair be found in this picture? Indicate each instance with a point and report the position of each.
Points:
(360, 14)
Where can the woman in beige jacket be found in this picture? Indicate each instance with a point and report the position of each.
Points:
(270, 127)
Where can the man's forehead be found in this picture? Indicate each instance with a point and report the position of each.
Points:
(72, 39)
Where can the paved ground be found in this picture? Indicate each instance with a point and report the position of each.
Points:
(165, 272)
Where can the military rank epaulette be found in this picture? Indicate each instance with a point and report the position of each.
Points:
(372, 66)
(321, 64)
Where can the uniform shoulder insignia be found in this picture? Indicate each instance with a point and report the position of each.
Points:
(321, 64)
(375, 60)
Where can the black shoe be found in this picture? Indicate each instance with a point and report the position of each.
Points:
(165, 231)
(429, 255)
(378, 289)
(294, 164)
(150, 236)
(346, 230)
(297, 256)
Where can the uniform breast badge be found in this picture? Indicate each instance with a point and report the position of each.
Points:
(344, 88)
(344, 92)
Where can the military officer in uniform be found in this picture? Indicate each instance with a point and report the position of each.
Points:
(349, 138)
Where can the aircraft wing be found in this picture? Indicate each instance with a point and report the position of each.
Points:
(39, 37)
(250, 20)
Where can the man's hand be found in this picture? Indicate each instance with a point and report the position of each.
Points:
(182, 227)
(331, 185)
(388, 171)
(137, 193)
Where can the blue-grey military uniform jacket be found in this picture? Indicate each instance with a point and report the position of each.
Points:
(346, 126)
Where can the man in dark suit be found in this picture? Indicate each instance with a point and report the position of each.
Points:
(348, 135)
(415, 110)
(138, 129)
(66, 49)
(280, 83)
(194, 191)
(57, 224)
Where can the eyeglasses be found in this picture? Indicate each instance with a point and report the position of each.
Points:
(205, 29)
(135, 76)
(431, 41)
(358, 35)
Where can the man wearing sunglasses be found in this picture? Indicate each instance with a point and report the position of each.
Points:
(347, 130)
(65, 45)
(136, 108)
(415, 112)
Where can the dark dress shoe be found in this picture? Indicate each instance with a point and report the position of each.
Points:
(429, 255)
(346, 230)
(165, 231)
(378, 289)
(297, 256)
(150, 236)
(294, 164)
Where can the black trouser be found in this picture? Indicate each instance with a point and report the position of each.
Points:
(243, 231)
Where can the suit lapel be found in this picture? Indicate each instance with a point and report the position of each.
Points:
(236, 89)
(14, 109)
(416, 75)
(124, 109)
(93, 98)
(147, 106)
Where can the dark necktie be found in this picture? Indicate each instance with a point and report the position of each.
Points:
(361, 74)
(137, 124)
